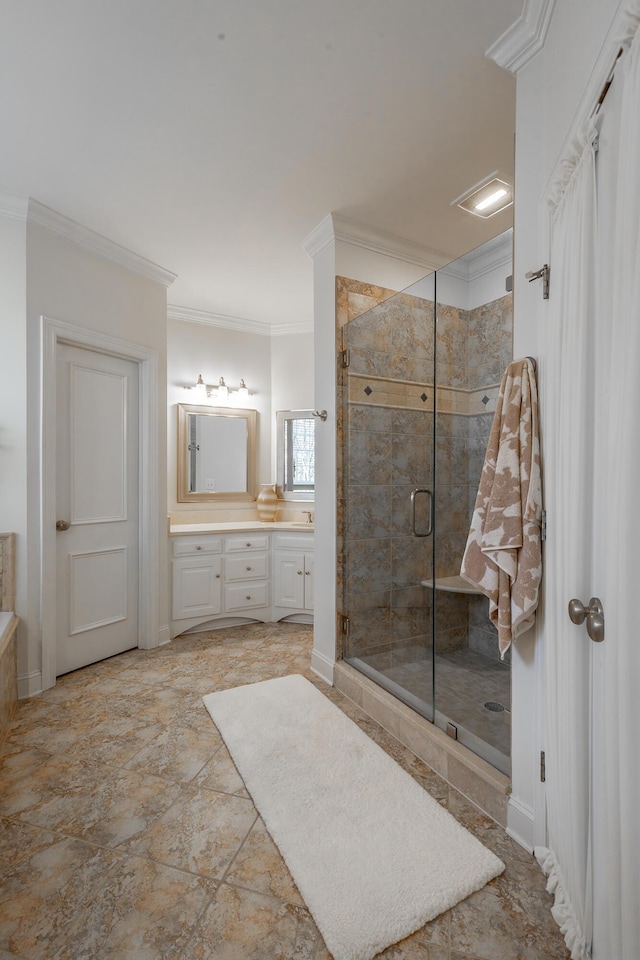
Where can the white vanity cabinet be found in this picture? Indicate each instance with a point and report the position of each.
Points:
(292, 574)
(233, 576)
(246, 577)
(196, 577)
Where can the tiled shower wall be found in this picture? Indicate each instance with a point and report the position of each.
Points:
(389, 450)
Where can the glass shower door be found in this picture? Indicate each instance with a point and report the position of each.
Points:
(473, 347)
(387, 478)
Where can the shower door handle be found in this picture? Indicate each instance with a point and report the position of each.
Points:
(414, 494)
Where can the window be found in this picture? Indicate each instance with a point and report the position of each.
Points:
(296, 454)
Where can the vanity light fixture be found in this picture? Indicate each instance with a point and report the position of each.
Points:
(220, 393)
(485, 199)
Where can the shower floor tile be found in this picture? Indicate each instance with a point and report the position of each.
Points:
(465, 681)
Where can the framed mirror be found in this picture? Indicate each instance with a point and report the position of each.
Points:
(216, 453)
(295, 456)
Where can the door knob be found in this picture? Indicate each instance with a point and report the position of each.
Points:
(62, 525)
(593, 614)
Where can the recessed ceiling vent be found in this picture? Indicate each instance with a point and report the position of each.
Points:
(485, 199)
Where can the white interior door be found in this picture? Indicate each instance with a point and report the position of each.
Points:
(592, 351)
(97, 506)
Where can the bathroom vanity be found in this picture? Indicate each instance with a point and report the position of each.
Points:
(235, 572)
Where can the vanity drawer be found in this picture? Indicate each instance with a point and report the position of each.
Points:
(294, 541)
(247, 567)
(245, 596)
(196, 546)
(249, 541)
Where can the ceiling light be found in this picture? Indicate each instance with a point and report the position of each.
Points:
(486, 198)
(492, 199)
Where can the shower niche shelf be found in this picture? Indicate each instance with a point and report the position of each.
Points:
(453, 585)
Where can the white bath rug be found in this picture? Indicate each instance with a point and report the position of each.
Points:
(373, 855)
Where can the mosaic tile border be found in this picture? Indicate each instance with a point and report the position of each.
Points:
(407, 395)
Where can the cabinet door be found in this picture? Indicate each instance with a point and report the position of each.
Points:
(289, 580)
(308, 581)
(196, 587)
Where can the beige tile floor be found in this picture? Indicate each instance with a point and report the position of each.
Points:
(126, 832)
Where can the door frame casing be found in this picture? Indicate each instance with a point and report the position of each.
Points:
(53, 333)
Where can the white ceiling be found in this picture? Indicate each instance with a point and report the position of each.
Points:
(212, 136)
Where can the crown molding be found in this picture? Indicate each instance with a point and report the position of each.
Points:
(191, 315)
(524, 38)
(319, 238)
(283, 329)
(335, 227)
(96, 243)
(490, 256)
(13, 207)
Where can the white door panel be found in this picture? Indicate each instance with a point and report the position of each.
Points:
(97, 589)
(98, 447)
(97, 495)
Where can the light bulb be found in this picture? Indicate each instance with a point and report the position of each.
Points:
(491, 199)
(201, 390)
(223, 390)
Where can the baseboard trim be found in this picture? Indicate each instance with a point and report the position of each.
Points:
(322, 666)
(29, 684)
(164, 635)
(521, 823)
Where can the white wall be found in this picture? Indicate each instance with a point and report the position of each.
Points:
(292, 371)
(552, 90)
(478, 277)
(194, 348)
(13, 403)
(369, 266)
(67, 282)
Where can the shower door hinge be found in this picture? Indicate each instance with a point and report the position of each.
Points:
(345, 359)
(345, 625)
(543, 525)
(543, 773)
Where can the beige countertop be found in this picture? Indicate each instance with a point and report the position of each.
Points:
(239, 526)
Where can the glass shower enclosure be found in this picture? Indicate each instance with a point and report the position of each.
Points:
(419, 382)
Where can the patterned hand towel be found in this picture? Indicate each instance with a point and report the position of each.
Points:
(503, 556)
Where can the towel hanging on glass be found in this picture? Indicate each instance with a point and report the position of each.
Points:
(502, 557)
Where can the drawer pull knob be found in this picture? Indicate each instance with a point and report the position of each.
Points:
(299, 573)
(248, 596)
(217, 576)
(248, 544)
(307, 572)
(198, 547)
(248, 568)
